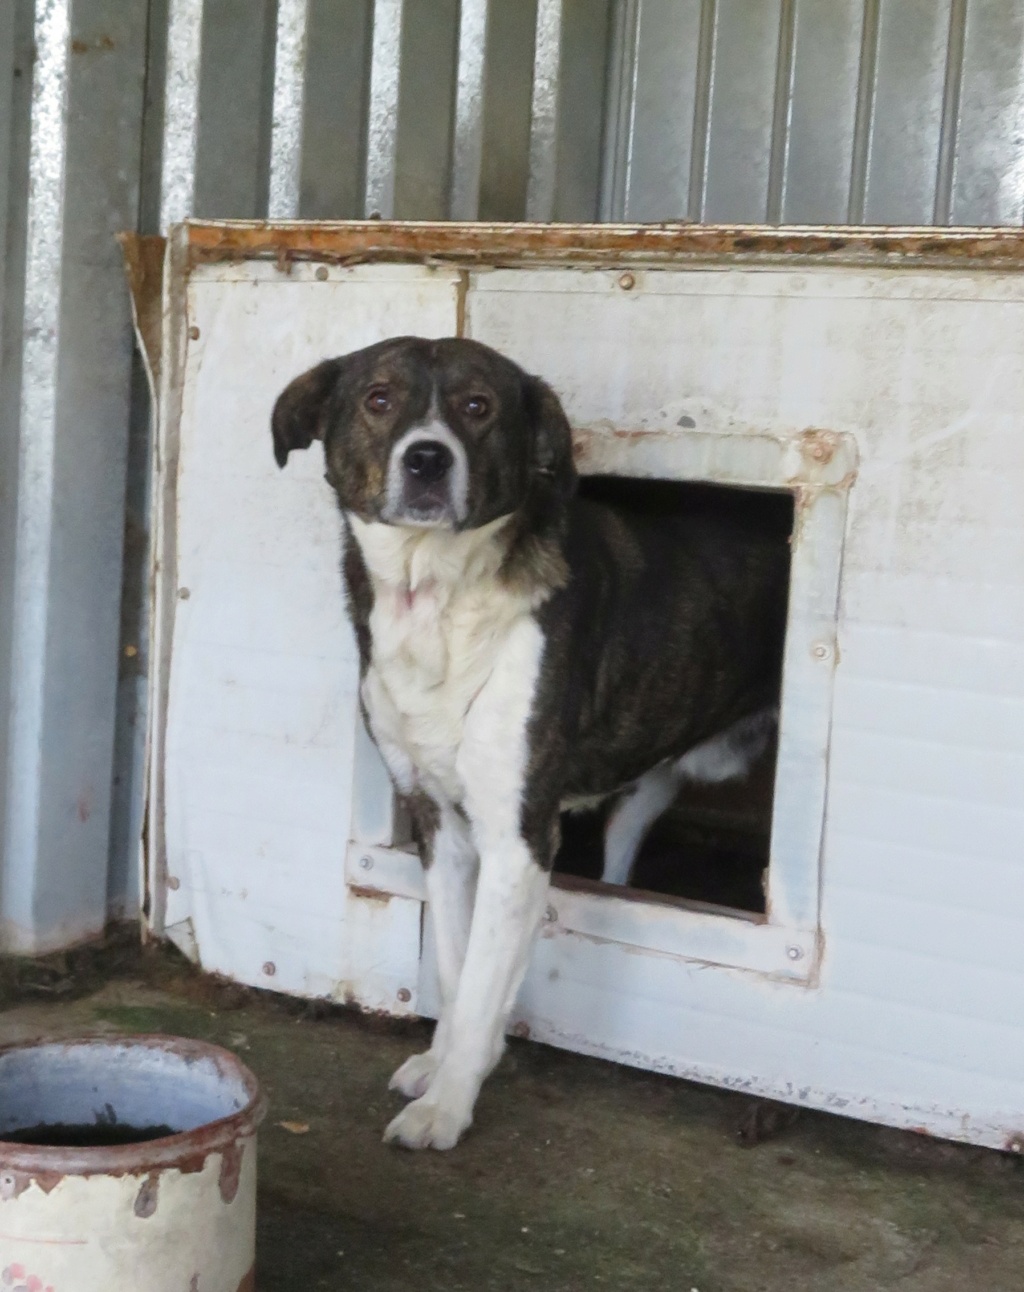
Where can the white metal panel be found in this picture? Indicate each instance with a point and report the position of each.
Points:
(908, 1020)
(262, 712)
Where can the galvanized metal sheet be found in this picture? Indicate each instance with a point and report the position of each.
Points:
(988, 167)
(822, 112)
(659, 85)
(286, 129)
(336, 98)
(907, 109)
(423, 148)
(744, 61)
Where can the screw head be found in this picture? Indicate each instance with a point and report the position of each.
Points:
(627, 282)
(365, 863)
(193, 333)
(795, 953)
(321, 274)
(404, 995)
(173, 883)
(821, 650)
(269, 968)
(550, 915)
(183, 594)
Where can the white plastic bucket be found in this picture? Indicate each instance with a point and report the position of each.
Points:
(175, 1212)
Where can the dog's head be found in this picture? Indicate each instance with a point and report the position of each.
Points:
(446, 434)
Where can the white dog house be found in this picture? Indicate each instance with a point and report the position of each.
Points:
(878, 377)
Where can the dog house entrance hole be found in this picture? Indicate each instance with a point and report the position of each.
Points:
(712, 845)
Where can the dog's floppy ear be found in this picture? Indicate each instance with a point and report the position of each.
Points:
(298, 417)
(552, 443)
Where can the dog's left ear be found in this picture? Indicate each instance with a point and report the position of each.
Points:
(299, 414)
(552, 442)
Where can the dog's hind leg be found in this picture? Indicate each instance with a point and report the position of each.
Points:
(722, 757)
(451, 868)
(632, 817)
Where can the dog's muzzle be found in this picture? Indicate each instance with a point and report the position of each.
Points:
(427, 479)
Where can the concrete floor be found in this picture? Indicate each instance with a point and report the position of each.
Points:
(577, 1173)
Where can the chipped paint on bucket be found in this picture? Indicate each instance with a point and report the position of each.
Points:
(165, 1214)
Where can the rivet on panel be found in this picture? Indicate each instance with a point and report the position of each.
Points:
(321, 274)
(173, 883)
(404, 995)
(550, 915)
(365, 863)
(821, 650)
(522, 1030)
(183, 594)
(795, 953)
(269, 968)
(627, 282)
(193, 333)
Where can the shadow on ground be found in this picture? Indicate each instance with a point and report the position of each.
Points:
(577, 1174)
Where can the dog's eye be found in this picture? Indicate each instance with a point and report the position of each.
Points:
(378, 400)
(477, 406)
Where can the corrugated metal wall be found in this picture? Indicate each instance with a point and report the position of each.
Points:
(117, 116)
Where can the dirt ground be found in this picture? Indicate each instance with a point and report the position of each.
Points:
(577, 1173)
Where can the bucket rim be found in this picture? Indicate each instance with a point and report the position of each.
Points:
(186, 1151)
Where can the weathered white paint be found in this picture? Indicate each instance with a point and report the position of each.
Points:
(85, 1235)
(904, 910)
(262, 713)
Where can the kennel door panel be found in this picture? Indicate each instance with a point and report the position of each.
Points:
(268, 776)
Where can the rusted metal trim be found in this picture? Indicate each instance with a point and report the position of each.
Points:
(186, 1152)
(144, 268)
(357, 241)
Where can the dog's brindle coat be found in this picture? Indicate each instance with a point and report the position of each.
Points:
(522, 651)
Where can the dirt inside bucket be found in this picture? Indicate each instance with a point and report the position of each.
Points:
(94, 1135)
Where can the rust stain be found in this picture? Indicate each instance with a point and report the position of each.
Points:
(819, 445)
(84, 806)
(370, 894)
(231, 1171)
(83, 46)
(144, 269)
(352, 242)
(146, 1200)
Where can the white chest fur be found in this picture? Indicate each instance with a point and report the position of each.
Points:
(439, 622)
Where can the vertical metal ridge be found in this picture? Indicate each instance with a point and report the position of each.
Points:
(620, 111)
(36, 451)
(540, 189)
(864, 119)
(468, 141)
(705, 78)
(289, 98)
(781, 113)
(382, 128)
(945, 176)
(181, 110)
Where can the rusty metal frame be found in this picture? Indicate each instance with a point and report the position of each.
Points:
(677, 245)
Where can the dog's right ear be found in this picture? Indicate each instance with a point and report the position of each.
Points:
(299, 415)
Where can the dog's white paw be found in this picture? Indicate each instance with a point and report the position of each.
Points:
(413, 1078)
(428, 1123)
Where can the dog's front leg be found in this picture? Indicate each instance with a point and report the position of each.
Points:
(510, 898)
(449, 855)
(511, 888)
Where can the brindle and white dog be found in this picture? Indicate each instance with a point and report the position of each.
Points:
(523, 651)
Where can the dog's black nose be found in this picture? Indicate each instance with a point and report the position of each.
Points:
(427, 460)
